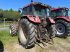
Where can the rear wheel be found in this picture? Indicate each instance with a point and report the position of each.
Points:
(68, 29)
(27, 33)
(62, 28)
(13, 29)
(52, 31)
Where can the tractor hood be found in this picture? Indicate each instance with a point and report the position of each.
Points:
(64, 18)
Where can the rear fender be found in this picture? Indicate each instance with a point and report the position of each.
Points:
(51, 20)
(34, 19)
(63, 18)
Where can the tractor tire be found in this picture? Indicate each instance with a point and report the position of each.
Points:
(69, 29)
(62, 28)
(51, 30)
(27, 34)
(13, 29)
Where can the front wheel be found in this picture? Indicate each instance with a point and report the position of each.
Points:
(26, 33)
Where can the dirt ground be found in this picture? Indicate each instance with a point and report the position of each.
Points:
(62, 45)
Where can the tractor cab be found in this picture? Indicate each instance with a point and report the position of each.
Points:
(36, 9)
(55, 12)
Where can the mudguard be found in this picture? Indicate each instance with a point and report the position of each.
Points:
(34, 19)
(51, 20)
(63, 18)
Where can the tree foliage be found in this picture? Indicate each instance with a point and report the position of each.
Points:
(1, 13)
(9, 14)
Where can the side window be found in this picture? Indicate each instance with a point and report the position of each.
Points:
(66, 13)
(30, 10)
(53, 14)
(48, 11)
(24, 11)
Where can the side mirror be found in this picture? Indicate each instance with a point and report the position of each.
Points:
(20, 10)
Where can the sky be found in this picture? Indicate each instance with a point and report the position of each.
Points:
(16, 4)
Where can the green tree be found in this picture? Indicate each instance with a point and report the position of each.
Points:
(11, 14)
(1, 13)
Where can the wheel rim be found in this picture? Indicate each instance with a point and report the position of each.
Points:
(60, 28)
(10, 31)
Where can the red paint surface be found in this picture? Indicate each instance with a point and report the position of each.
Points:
(54, 9)
(51, 20)
(65, 18)
(35, 19)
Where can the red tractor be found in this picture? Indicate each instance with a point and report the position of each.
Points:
(35, 25)
(60, 15)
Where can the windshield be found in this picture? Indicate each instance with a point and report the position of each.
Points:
(59, 13)
(41, 11)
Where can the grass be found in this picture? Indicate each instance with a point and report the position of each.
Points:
(6, 38)
(6, 24)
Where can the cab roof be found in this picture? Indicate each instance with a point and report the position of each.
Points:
(37, 3)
